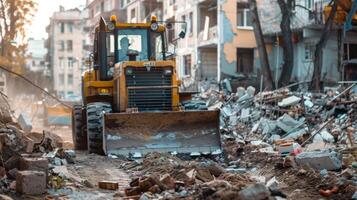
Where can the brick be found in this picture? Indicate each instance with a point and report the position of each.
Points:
(12, 162)
(133, 191)
(167, 181)
(2, 172)
(30, 144)
(33, 163)
(108, 185)
(3, 138)
(31, 182)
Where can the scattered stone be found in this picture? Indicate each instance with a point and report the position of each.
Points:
(108, 185)
(34, 163)
(319, 160)
(31, 182)
(254, 192)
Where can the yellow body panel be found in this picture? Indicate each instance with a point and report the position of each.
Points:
(123, 91)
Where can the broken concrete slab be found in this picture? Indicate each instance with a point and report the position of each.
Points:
(292, 100)
(25, 122)
(287, 123)
(254, 192)
(320, 160)
(31, 182)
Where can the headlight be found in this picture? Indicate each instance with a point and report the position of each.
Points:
(103, 91)
(154, 26)
(129, 71)
(111, 26)
(168, 72)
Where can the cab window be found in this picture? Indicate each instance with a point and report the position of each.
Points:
(132, 40)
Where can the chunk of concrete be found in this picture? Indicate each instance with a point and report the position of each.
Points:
(254, 192)
(35, 164)
(292, 100)
(25, 122)
(320, 160)
(31, 182)
(287, 123)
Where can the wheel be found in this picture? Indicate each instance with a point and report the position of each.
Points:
(95, 112)
(78, 135)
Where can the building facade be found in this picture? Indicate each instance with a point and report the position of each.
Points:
(66, 41)
(307, 24)
(219, 40)
(36, 58)
(141, 10)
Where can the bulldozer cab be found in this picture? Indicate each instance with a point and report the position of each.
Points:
(119, 42)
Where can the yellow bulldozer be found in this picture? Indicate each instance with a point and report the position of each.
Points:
(131, 100)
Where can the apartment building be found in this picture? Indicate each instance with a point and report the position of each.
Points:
(219, 42)
(142, 10)
(36, 56)
(307, 24)
(66, 40)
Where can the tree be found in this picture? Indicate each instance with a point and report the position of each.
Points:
(318, 54)
(263, 56)
(14, 16)
(288, 54)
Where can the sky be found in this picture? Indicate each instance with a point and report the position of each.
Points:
(45, 9)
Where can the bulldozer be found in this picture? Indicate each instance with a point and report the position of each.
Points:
(131, 99)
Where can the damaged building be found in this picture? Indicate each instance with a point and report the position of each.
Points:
(219, 41)
(307, 24)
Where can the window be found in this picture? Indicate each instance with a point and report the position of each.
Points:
(102, 7)
(156, 46)
(61, 63)
(172, 2)
(133, 40)
(62, 27)
(70, 27)
(61, 79)
(245, 60)
(309, 4)
(308, 52)
(70, 79)
(243, 16)
(61, 45)
(187, 64)
(190, 24)
(132, 15)
(69, 45)
(83, 44)
(183, 18)
(70, 62)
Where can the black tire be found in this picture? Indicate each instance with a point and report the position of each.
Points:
(95, 113)
(78, 135)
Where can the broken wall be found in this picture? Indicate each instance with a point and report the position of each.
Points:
(231, 38)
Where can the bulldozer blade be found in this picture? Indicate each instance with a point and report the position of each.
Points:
(180, 132)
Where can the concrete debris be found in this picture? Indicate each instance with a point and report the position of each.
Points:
(25, 122)
(31, 182)
(320, 160)
(292, 100)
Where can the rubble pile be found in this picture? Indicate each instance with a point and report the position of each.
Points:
(163, 176)
(24, 156)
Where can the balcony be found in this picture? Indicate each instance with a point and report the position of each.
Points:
(208, 39)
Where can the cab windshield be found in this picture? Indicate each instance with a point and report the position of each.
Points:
(135, 41)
